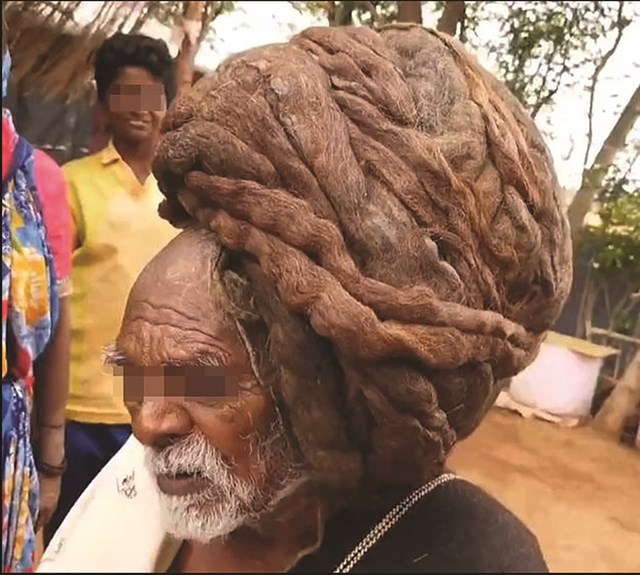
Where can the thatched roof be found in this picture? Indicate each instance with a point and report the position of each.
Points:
(54, 62)
(53, 52)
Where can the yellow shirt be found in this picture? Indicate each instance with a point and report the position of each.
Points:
(117, 231)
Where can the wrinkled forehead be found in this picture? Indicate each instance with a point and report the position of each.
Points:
(188, 265)
(177, 311)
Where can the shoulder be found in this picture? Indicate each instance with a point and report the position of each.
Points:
(81, 166)
(459, 527)
(56, 213)
(50, 183)
(49, 176)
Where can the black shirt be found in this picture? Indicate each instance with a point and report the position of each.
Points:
(456, 528)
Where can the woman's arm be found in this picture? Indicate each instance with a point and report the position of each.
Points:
(52, 367)
(51, 389)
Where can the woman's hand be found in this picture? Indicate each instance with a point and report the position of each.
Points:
(49, 495)
(50, 461)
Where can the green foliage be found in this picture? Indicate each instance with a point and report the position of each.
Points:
(540, 46)
(169, 13)
(613, 245)
(316, 8)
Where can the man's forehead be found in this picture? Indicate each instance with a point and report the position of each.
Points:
(193, 255)
(177, 312)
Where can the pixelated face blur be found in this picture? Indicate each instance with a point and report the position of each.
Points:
(136, 104)
(214, 444)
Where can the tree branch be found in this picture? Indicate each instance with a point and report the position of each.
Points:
(342, 13)
(210, 12)
(632, 163)
(370, 8)
(452, 15)
(544, 101)
(595, 78)
(593, 177)
(572, 145)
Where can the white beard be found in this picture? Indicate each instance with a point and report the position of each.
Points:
(227, 502)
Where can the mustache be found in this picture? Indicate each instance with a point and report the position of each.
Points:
(193, 455)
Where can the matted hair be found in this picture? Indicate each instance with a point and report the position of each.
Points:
(397, 246)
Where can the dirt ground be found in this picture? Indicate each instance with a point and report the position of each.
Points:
(579, 492)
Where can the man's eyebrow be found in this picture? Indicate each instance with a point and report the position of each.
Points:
(113, 356)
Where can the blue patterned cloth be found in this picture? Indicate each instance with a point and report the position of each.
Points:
(29, 315)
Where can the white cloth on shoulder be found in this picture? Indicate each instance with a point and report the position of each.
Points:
(116, 525)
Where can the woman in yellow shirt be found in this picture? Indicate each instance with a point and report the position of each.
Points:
(114, 199)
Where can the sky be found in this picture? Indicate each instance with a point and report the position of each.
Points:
(564, 125)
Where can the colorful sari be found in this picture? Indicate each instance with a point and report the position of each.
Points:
(29, 315)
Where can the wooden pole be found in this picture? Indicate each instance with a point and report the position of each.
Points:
(452, 16)
(410, 11)
(622, 401)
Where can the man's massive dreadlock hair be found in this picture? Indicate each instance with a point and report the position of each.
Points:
(397, 244)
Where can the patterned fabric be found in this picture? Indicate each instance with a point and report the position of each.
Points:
(29, 315)
(56, 214)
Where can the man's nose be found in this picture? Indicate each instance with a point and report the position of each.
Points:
(159, 424)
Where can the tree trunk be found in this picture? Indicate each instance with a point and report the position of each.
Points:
(410, 11)
(587, 303)
(185, 62)
(623, 400)
(593, 177)
(452, 15)
(340, 13)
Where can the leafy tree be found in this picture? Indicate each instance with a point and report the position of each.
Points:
(538, 47)
(349, 12)
(612, 245)
(171, 13)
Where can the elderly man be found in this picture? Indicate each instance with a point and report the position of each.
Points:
(374, 243)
